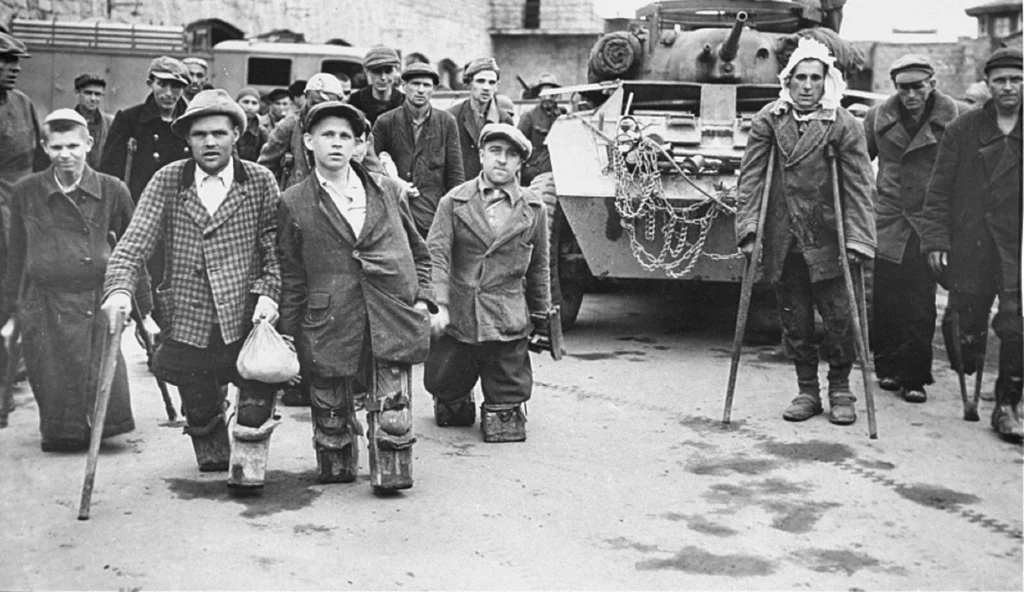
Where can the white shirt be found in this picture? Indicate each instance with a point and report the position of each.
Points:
(350, 200)
(213, 189)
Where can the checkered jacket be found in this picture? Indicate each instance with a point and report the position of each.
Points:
(216, 266)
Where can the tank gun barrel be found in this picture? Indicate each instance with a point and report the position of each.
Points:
(727, 52)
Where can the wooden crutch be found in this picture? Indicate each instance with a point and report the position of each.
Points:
(857, 315)
(747, 289)
(108, 367)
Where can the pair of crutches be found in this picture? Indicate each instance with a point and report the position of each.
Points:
(856, 298)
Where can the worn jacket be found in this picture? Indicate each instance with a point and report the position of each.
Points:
(490, 280)
(904, 166)
(252, 140)
(216, 265)
(338, 287)
(20, 152)
(469, 132)
(157, 145)
(433, 163)
(973, 205)
(364, 100)
(801, 207)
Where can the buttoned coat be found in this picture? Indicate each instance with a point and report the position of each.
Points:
(433, 163)
(490, 280)
(469, 132)
(339, 287)
(216, 265)
(156, 144)
(973, 205)
(904, 167)
(801, 205)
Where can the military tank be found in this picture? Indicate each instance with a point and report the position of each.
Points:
(646, 180)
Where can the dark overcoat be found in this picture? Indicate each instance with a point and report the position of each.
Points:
(469, 132)
(61, 244)
(433, 163)
(801, 206)
(338, 287)
(904, 167)
(973, 206)
(157, 145)
(490, 279)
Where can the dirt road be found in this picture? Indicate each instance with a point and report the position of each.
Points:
(627, 481)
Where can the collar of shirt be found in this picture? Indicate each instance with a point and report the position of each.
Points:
(353, 190)
(227, 175)
(511, 188)
(88, 184)
(411, 114)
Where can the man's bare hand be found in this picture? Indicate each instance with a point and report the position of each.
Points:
(7, 333)
(116, 309)
(440, 321)
(150, 326)
(937, 261)
(266, 310)
(747, 247)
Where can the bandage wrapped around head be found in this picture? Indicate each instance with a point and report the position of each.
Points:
(810, 49)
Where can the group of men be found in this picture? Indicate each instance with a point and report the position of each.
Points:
(947, 211)
(368, 266)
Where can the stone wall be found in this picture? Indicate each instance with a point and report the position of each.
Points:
(957, 65)
(529, 56)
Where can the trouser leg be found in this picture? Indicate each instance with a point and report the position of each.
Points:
(973, 312)
(335, 429)
(506, 378)
(885, 334)
(796, 315)
(449, 374)
(389, 419)
(1007, 325)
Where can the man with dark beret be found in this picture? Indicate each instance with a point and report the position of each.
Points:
(382, 68)
(481, 76)
(903, 133)
(280, 106)
(90, 88)
(218, 216)
(489, 253)
(971, 230)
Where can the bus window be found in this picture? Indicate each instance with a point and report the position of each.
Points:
(270, 71)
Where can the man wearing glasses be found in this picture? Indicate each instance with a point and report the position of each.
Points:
(903, 133)
(380, 95)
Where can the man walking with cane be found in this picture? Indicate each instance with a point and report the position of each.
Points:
(802, 250)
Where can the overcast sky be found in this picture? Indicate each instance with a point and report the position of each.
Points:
(869, 19)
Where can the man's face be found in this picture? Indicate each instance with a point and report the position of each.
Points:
(332, 142)
(166, 92)
(346, 88)
(1005, 86)
(914, 90)
(249, 104)
(382, 78)
(419, 90)
(483, 86)
(10, 67)
(281, 107)
(198, 74)
(211, 140)
(67, 150)
(807, 84)
(500, 161)
(90, 97)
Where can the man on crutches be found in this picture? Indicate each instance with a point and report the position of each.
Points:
(802, 254)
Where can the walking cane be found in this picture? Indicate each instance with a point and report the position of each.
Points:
(145, 338)
(106, 379)
(856, 313)
(970, 405)
(747, 289)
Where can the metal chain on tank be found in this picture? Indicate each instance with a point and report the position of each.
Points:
(640, 196)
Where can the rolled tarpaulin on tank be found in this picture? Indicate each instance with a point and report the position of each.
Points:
(615, 55)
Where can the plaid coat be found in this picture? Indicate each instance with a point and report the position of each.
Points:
(216, 266)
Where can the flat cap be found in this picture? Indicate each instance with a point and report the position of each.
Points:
(69, 115)
(277, 94)
(912, 63)
(296, 88)
(84, 80)
(505, 131)
(209, 102)
(479, 65)
(326, 83)
(11, 46)
(168, 68)
(345, 111)
(419, 71)
(1005, 57)
(191, 61)
(548, 80)
(247, 91)
(380, 56)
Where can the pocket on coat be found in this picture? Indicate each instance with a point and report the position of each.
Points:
(524, 252)
(398, 332)
(318, 310)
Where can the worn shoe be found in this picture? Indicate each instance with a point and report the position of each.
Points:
(456, 413)
(917, 395)
(888, 383)
(841, 411)
(803, 407)
(295, 396)
(1006, 423)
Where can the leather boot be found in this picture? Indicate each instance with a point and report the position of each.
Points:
(1005, 415)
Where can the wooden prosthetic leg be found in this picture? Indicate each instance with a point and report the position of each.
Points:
(389, 431)
(335, 430)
